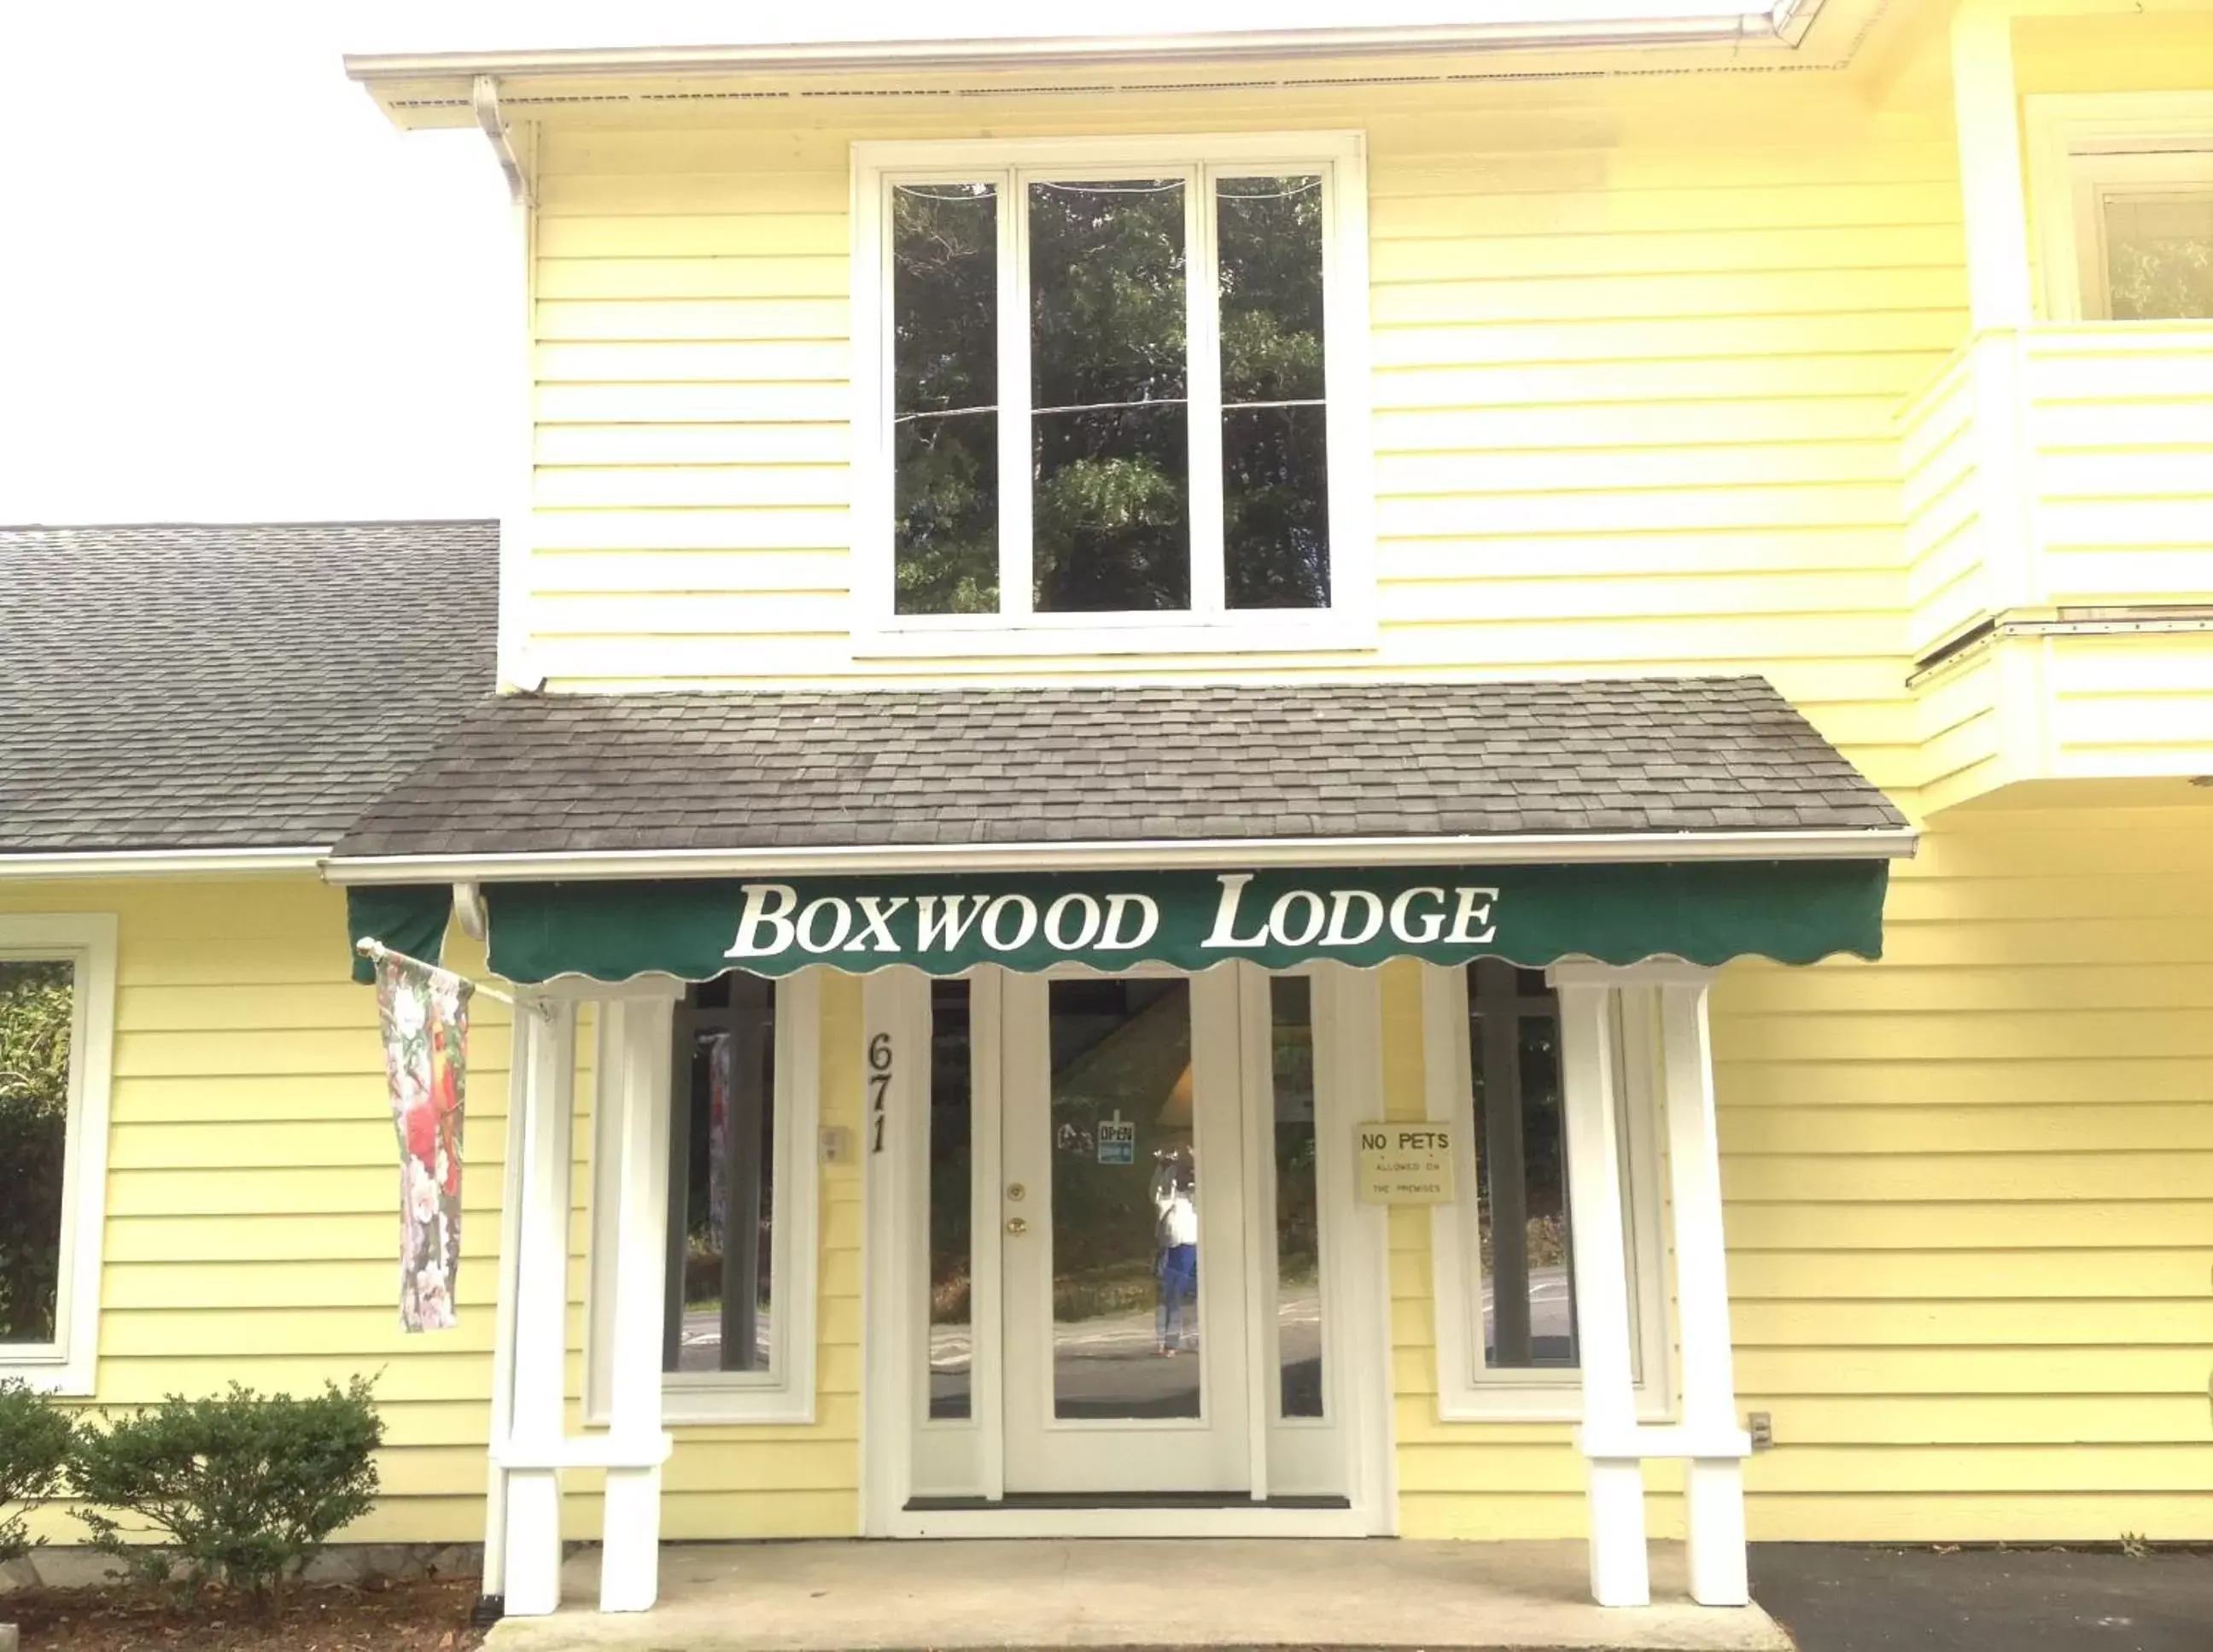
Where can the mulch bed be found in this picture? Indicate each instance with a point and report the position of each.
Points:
(428, 1617)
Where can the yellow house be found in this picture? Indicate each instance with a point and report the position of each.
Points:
(1202, 749)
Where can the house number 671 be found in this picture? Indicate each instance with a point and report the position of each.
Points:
(879, 1084)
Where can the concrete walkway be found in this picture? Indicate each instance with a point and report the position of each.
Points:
(833, 1597)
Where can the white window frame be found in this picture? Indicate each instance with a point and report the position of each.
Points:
(784, 1393)
(2082, 146)
(1340, 158)
(66, 1364)
(1467, 1391)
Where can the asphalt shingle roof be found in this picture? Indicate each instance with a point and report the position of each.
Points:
(789, 770)
(229, 686)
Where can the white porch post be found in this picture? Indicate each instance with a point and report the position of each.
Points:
(1715, 1446)
(1997, 214)
(1619, 1573)
(546, 1038)
(641, 1029)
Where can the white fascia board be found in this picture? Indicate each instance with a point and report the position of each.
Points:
(1183, 855)
(1620, 25)
(162, 862)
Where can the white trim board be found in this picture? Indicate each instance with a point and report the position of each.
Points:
(162, 862)
(1532, 849)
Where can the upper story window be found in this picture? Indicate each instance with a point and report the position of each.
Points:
(2124, 195)
(1113, 394)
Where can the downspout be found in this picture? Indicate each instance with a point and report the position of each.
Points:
(515, 672)
(512, 674)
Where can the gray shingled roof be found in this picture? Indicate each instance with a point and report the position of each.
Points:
(705, 771)
(231, 686)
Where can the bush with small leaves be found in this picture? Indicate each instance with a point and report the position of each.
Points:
(236, 1486)
(34, 1443)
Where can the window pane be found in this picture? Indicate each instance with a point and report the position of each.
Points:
(1275, 460)
(952, 1344)
(2159, 256)
(945, 366)
(1521, 1159)
(37, 1013)
(1126, 1256)
(1298, 1208)
(722, 1177)
(1111, 508)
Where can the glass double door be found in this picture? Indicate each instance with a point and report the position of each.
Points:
(1125, 1236)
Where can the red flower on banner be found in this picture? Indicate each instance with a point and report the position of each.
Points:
(422, 1126)
(445, 1094)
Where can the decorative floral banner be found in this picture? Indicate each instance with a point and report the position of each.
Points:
(425, 1017)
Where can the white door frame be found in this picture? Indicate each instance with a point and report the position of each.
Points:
(895, 1025)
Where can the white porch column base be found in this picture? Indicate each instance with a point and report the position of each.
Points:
(546, 1037)
(630, 1553)
(1619, 1573)
(1590, 1095)
(534, 1542)
(1713, 1495)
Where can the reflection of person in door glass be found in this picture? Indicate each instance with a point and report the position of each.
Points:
(1175, 1236)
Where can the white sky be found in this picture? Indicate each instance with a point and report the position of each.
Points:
(230, 291)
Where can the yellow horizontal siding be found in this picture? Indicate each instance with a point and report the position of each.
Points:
(1634, 384)
(252, 1182)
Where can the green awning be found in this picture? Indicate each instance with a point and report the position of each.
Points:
(1703, 912)
(409, 918)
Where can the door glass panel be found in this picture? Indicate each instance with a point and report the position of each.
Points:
(1111, 512)
(1125, 1241)
(1298, 1211)
(2159, 255)
(722, 1178)
(952, 1345)
(1521, 1168)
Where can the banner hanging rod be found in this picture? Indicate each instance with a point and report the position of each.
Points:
(377, 952)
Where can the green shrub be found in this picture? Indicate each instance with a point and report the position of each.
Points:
(239, 1486)
(34, 1442)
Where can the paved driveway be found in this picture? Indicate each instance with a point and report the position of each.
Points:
(1833, 1598)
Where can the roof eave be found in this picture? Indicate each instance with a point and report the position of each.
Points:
(75, 865)
(1519, 849)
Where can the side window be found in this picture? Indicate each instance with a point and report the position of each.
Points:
(2122, 188)
(1506, 1318)
(57, 1007)
(2144, 235)
(738, 1336)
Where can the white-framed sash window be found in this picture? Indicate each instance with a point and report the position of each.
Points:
(2123, 186)
(1503, 1278)
(1111, 395)
(56, 1038)
(738, 1338)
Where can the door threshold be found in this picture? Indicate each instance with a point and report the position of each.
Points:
(1032, 1502)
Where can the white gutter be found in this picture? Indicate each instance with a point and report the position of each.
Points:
(161, 862)
(1579, 848)
(1660, 28)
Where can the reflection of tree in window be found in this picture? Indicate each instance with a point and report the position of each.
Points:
(1275, 471)
(2159, 256)
(36, 1019)
(722, 1179)
(1109, 376)
(945, 366)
